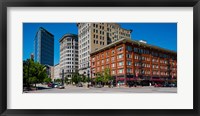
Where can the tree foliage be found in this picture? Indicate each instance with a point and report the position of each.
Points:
(66, 80)
(76, 78)
(47, 80)
(33, 72)
(104, 77)
(99, 78)
(58, 80)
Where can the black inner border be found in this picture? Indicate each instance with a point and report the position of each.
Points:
(98, 3)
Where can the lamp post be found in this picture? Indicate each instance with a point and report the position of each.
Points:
(62, 76)
(28, 73)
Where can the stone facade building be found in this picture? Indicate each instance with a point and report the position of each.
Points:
(93, 36)
(68, 55)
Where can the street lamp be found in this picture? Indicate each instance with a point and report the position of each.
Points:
(62, 76)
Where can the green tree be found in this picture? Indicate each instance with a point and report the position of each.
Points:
(58, 80)
(83, 78)
(88, 79)
(33, 80)
(99, 78)
(47, 80)
(107, 76)
(76, 78)
(33, 72)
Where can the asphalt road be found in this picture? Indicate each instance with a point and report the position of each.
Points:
(73, 89)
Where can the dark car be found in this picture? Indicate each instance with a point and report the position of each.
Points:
(173, 85)
(50, 84)
(166, 85)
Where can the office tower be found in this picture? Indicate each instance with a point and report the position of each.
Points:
(44, 47)
(93, 36)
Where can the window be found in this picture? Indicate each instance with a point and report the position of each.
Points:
(129, 48)
(113, 65)
(142, 71)
(120, 56)
(136, 50)
(113, 72)
(128, 55)
(113, 58)
(143, 58)
(120, 49)
(136, 57)
(107, 60)
(120, 71)
(113, 51)
(121, 63)
(102, 67)
(129, 63)
(141, 51)
(128, 70)
(102, 55)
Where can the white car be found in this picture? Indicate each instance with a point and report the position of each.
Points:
(55, 85)
(61, 87)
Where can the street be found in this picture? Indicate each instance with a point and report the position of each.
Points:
(74, 89)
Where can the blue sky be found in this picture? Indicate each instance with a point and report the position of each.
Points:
(158, 34)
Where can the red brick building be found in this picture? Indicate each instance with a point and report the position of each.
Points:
(130, 61)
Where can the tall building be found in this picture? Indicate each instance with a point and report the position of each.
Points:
(44, 47)
(129, 60)
(68, 55)
(93, 36)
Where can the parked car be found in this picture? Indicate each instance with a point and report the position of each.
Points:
(166, 85)
(173, 85)
(55, 85)
(79, 85)
(50, 85)
(158, 85)
(99, 86)
(60, 87)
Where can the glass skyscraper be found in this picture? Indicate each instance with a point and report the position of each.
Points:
(44, 47)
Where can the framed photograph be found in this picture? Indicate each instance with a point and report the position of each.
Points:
(99, 57)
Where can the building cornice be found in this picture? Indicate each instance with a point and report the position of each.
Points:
(124, 40)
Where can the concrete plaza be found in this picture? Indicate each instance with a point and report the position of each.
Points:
(74, 89)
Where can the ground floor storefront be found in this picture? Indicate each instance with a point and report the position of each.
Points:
(143, 81)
